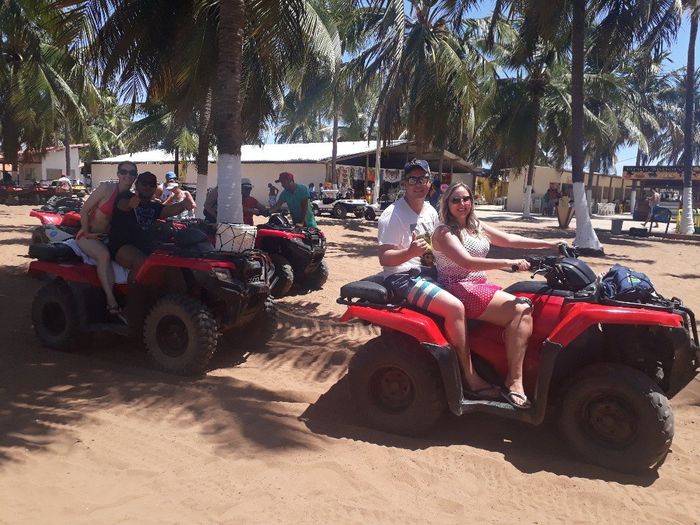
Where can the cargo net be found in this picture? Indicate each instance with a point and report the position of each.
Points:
(235, 237)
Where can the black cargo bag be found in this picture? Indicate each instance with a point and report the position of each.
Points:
(623, 284)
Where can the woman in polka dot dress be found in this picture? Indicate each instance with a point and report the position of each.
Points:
(461, 245)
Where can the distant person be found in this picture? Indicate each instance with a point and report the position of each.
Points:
(434, 194)
(7, 178)
(63, 186)
(653, 199)
(177, 194)
(251, 206)
(272, 192)
(211, 203)
(296, 196)
(312, 190)
(162, 191)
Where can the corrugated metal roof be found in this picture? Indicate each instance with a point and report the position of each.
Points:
(310, 152)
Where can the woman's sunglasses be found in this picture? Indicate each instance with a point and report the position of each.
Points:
(459, 200)
(131, 173)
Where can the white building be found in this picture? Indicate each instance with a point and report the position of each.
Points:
(307, 162)
(49, 164)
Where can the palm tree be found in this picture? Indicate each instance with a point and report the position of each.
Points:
(687, 224)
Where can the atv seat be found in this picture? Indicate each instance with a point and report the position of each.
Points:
(56, 252)
(369, 289)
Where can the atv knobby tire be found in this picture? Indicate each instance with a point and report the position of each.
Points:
(316, 210)
(180, 334)
(370, 214)
(339, 211)
(55, 316)
(260, 330)
(617, 417)
(316, 279)
(283, 279)
(396, 385)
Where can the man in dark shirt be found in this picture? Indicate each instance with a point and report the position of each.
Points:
(134, 214)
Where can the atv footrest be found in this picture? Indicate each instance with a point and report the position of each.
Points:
(114, 328)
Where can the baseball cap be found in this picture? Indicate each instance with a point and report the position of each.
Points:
(285, 176)
(245, 181)
(171, 185)
(170, 176)
(417, 163)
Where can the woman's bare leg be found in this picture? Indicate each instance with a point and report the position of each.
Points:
(451, 310)
(516, 318)
(98, 251)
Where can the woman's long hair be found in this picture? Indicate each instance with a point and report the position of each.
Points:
(473, 224)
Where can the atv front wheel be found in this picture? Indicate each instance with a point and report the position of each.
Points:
(316, 279)
(283, 278)
(55, 316)
(180, 334)
(339, 211)
(396, 385)
(260, 329)
(617, 417)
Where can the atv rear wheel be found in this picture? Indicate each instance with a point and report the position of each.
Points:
(617, 417)
(283, 278)
(180, 334)
(316, 279)
(339, 211)
(397, 386)
(55, 316)
(370, 214)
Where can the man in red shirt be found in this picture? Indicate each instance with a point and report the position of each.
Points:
(251, 205)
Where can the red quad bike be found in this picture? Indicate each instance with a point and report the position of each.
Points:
(297, 254)
(183, 298)
(608, 367)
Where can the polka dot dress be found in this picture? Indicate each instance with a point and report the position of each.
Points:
(468, 286)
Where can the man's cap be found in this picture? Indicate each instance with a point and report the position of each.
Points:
(285, 176)
(417, 163)
(171, 185)
(146, 176)
(245, 181)
(170, 176)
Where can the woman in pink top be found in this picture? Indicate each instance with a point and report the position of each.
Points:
(95, 220)
(460, 245)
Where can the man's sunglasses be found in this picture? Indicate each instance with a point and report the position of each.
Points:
(148, 184)
(131, 173)
(412, 181)
(459, 200)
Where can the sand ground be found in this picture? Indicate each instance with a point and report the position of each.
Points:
(271, 437)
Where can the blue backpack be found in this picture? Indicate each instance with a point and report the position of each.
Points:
(623, 284)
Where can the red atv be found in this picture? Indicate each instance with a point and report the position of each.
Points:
(184, 296)
(297, 254)
(609, 367)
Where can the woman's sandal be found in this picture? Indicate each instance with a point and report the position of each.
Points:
(512, 395)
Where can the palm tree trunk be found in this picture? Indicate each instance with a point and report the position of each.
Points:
(204, 132)
(378, 170)
(176, 165)
(227, 112)
(585, 235)
(633, 192)
(687, 226)
(527, 205)
(334, 154)
(66, 145)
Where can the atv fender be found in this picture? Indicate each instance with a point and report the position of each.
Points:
(581, 316)
(404, 320)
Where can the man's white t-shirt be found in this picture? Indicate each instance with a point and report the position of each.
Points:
(396, 226)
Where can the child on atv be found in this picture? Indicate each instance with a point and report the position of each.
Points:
(134, 214)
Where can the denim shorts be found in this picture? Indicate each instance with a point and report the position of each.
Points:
(416, 286)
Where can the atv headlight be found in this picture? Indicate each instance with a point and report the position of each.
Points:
(223, 274)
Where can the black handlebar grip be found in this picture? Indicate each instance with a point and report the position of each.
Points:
(514, 267)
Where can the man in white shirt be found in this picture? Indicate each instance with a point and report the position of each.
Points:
(405, 228)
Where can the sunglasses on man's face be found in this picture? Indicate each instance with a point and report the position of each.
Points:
(148, 184)
(131, 173)
(459, 200)
(412, 181)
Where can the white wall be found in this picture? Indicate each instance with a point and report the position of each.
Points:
(540, 184)
(259, 173)
(51, 166)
